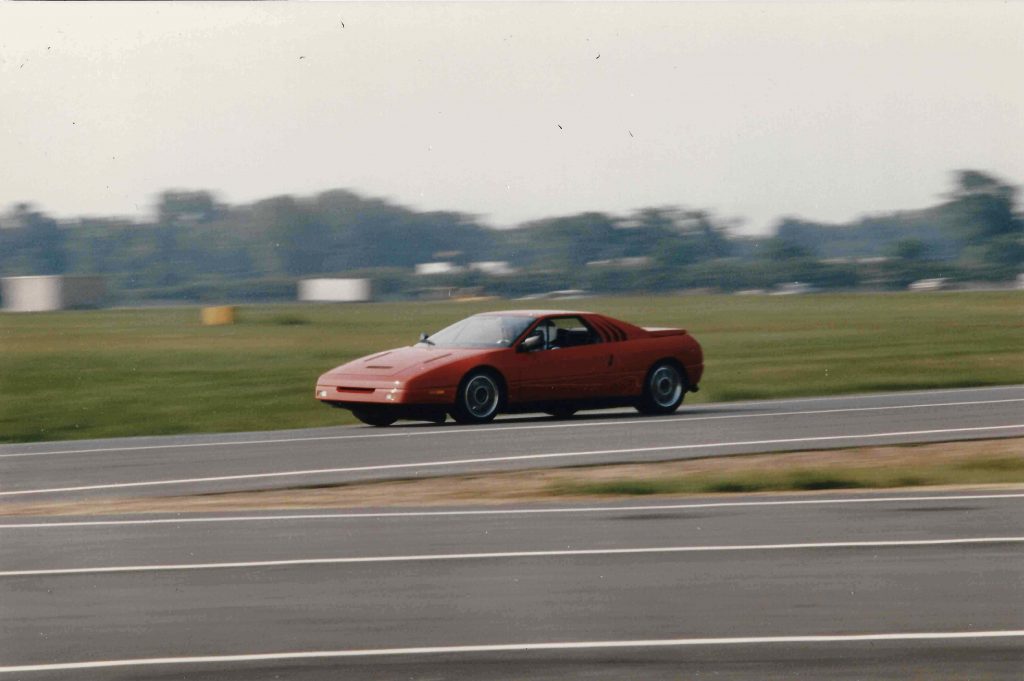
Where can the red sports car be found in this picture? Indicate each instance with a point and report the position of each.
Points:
(519, 361)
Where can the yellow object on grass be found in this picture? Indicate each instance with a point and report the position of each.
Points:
(218, 316)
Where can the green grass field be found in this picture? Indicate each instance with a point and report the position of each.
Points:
(158, 371)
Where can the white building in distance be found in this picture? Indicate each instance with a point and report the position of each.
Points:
(437, 268)
(335, 290)
(638, 261)
(45, 293)
(498, 268)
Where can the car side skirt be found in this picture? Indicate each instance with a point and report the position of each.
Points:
(431, 412)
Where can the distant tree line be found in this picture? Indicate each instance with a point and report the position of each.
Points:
(196, 248)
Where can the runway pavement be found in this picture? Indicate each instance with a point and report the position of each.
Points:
(851, 586)
(839, 586)
(218, 463)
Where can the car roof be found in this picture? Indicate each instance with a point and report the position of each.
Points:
(535, 313)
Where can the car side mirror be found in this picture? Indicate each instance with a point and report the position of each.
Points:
(530, 344)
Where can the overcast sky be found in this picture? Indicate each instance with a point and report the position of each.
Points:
(511, 111)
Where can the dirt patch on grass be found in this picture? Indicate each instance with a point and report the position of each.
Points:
(986, 462)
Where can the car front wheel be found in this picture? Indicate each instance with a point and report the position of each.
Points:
(480, 394)
(664, 389)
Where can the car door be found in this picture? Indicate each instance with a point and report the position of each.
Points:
(570, 364)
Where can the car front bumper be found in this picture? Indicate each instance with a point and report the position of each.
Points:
(380, 393)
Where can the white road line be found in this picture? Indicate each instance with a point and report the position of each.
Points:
(516, 647)
(511, 554)
(508, 511)
(517, 457)
(489, 429)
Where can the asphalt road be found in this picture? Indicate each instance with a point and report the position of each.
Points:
(218, 463)
(853, 586)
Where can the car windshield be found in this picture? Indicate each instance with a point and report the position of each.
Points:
(481, 331)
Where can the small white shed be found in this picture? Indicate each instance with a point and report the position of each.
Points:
(335, 290)
(52, 292)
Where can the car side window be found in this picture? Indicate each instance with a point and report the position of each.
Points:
(566, 332)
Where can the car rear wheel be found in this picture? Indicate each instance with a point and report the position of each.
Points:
(372, 417)
(664, 389)
(479, 397)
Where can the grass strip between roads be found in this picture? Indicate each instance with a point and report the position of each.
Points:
(983, 462)
(980, 470)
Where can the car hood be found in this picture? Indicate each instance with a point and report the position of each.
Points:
(400, 361)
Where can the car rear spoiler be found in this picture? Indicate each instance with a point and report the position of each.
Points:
(661, 331)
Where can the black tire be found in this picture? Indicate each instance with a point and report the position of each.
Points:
(561, 412)
(481, 394)
(372, 417)
(664, 389)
